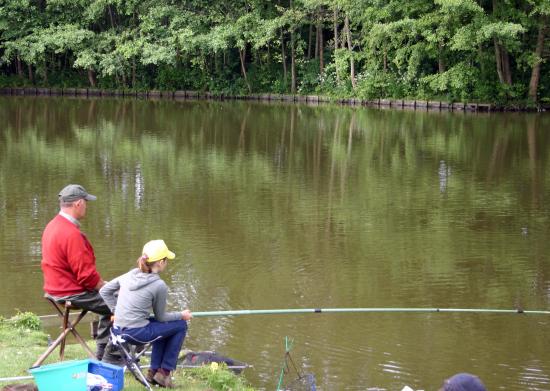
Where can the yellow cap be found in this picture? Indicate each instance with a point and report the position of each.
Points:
(155, 250)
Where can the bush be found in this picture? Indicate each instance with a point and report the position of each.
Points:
(378, 84)
(457, 82)
(13, 81)
(308, 77)
(263, 78)
(219, 378)
(176, 78)
(25, 320)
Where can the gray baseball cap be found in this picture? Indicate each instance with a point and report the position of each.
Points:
(72, 193)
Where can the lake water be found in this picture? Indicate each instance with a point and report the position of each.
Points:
(292, 206)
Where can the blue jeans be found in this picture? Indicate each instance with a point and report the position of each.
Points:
(166, 349)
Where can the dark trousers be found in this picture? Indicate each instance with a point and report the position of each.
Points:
(93, 302)
(166, 349)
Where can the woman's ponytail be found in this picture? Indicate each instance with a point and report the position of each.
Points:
(143, 265)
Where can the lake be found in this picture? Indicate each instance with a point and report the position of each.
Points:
(275, 206)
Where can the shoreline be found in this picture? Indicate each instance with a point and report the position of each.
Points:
(402, 104)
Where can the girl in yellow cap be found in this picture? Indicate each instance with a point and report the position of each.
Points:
(140, 291)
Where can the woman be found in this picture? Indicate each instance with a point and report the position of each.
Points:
(139, 291)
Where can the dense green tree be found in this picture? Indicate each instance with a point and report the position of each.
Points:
(452, 49)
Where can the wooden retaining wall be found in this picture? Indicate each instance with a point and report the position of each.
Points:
(310, 99)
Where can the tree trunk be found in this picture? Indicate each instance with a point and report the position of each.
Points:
(321, 54)
(134, 72)
(385, 59)
(111, 16)
(316, 40)
(283, 57)
(292, 55)
(535, 72)
(507, 72)
(498, 59)
(45, 71)
(501, 56)
(503, 64)
(31, 75)
(335, 25)
(19, 67)
(293, 61)
(310, 41)
(350, 48)
(91, 77)
(335, 22)
(242, 55)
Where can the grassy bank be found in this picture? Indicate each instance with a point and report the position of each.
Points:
(22, 341)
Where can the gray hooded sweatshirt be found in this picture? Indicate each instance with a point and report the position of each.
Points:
(138, 293)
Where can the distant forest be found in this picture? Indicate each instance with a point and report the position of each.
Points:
(486, 50)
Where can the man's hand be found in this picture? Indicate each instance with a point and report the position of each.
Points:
(186, 315)
(99, 285)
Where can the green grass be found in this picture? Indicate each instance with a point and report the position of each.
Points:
(22, 341)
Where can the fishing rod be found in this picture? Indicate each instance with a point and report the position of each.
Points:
(200, 314)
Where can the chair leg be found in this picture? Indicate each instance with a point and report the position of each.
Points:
(65, 322)
(68, 327)
(51, 348)
(78, 337)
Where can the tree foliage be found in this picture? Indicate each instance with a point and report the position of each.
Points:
(452, 49)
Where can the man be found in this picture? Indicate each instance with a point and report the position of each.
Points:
(68, 261)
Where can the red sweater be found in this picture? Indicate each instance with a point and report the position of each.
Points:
(68, 260)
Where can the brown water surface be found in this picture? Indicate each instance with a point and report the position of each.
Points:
(283, 206)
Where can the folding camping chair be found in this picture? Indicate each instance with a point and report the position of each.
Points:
(63, 310)
(128, 346)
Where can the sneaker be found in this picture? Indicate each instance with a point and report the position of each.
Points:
(164, 380)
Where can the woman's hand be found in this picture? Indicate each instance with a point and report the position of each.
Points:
(186, 315)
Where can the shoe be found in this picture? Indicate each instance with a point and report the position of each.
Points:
(150, 376)
(164, 380)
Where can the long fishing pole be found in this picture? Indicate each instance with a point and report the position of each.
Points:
(199, 314)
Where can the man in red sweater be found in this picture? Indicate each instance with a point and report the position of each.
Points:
(68, 261)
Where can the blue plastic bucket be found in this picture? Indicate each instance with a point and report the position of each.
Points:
(63, 376)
